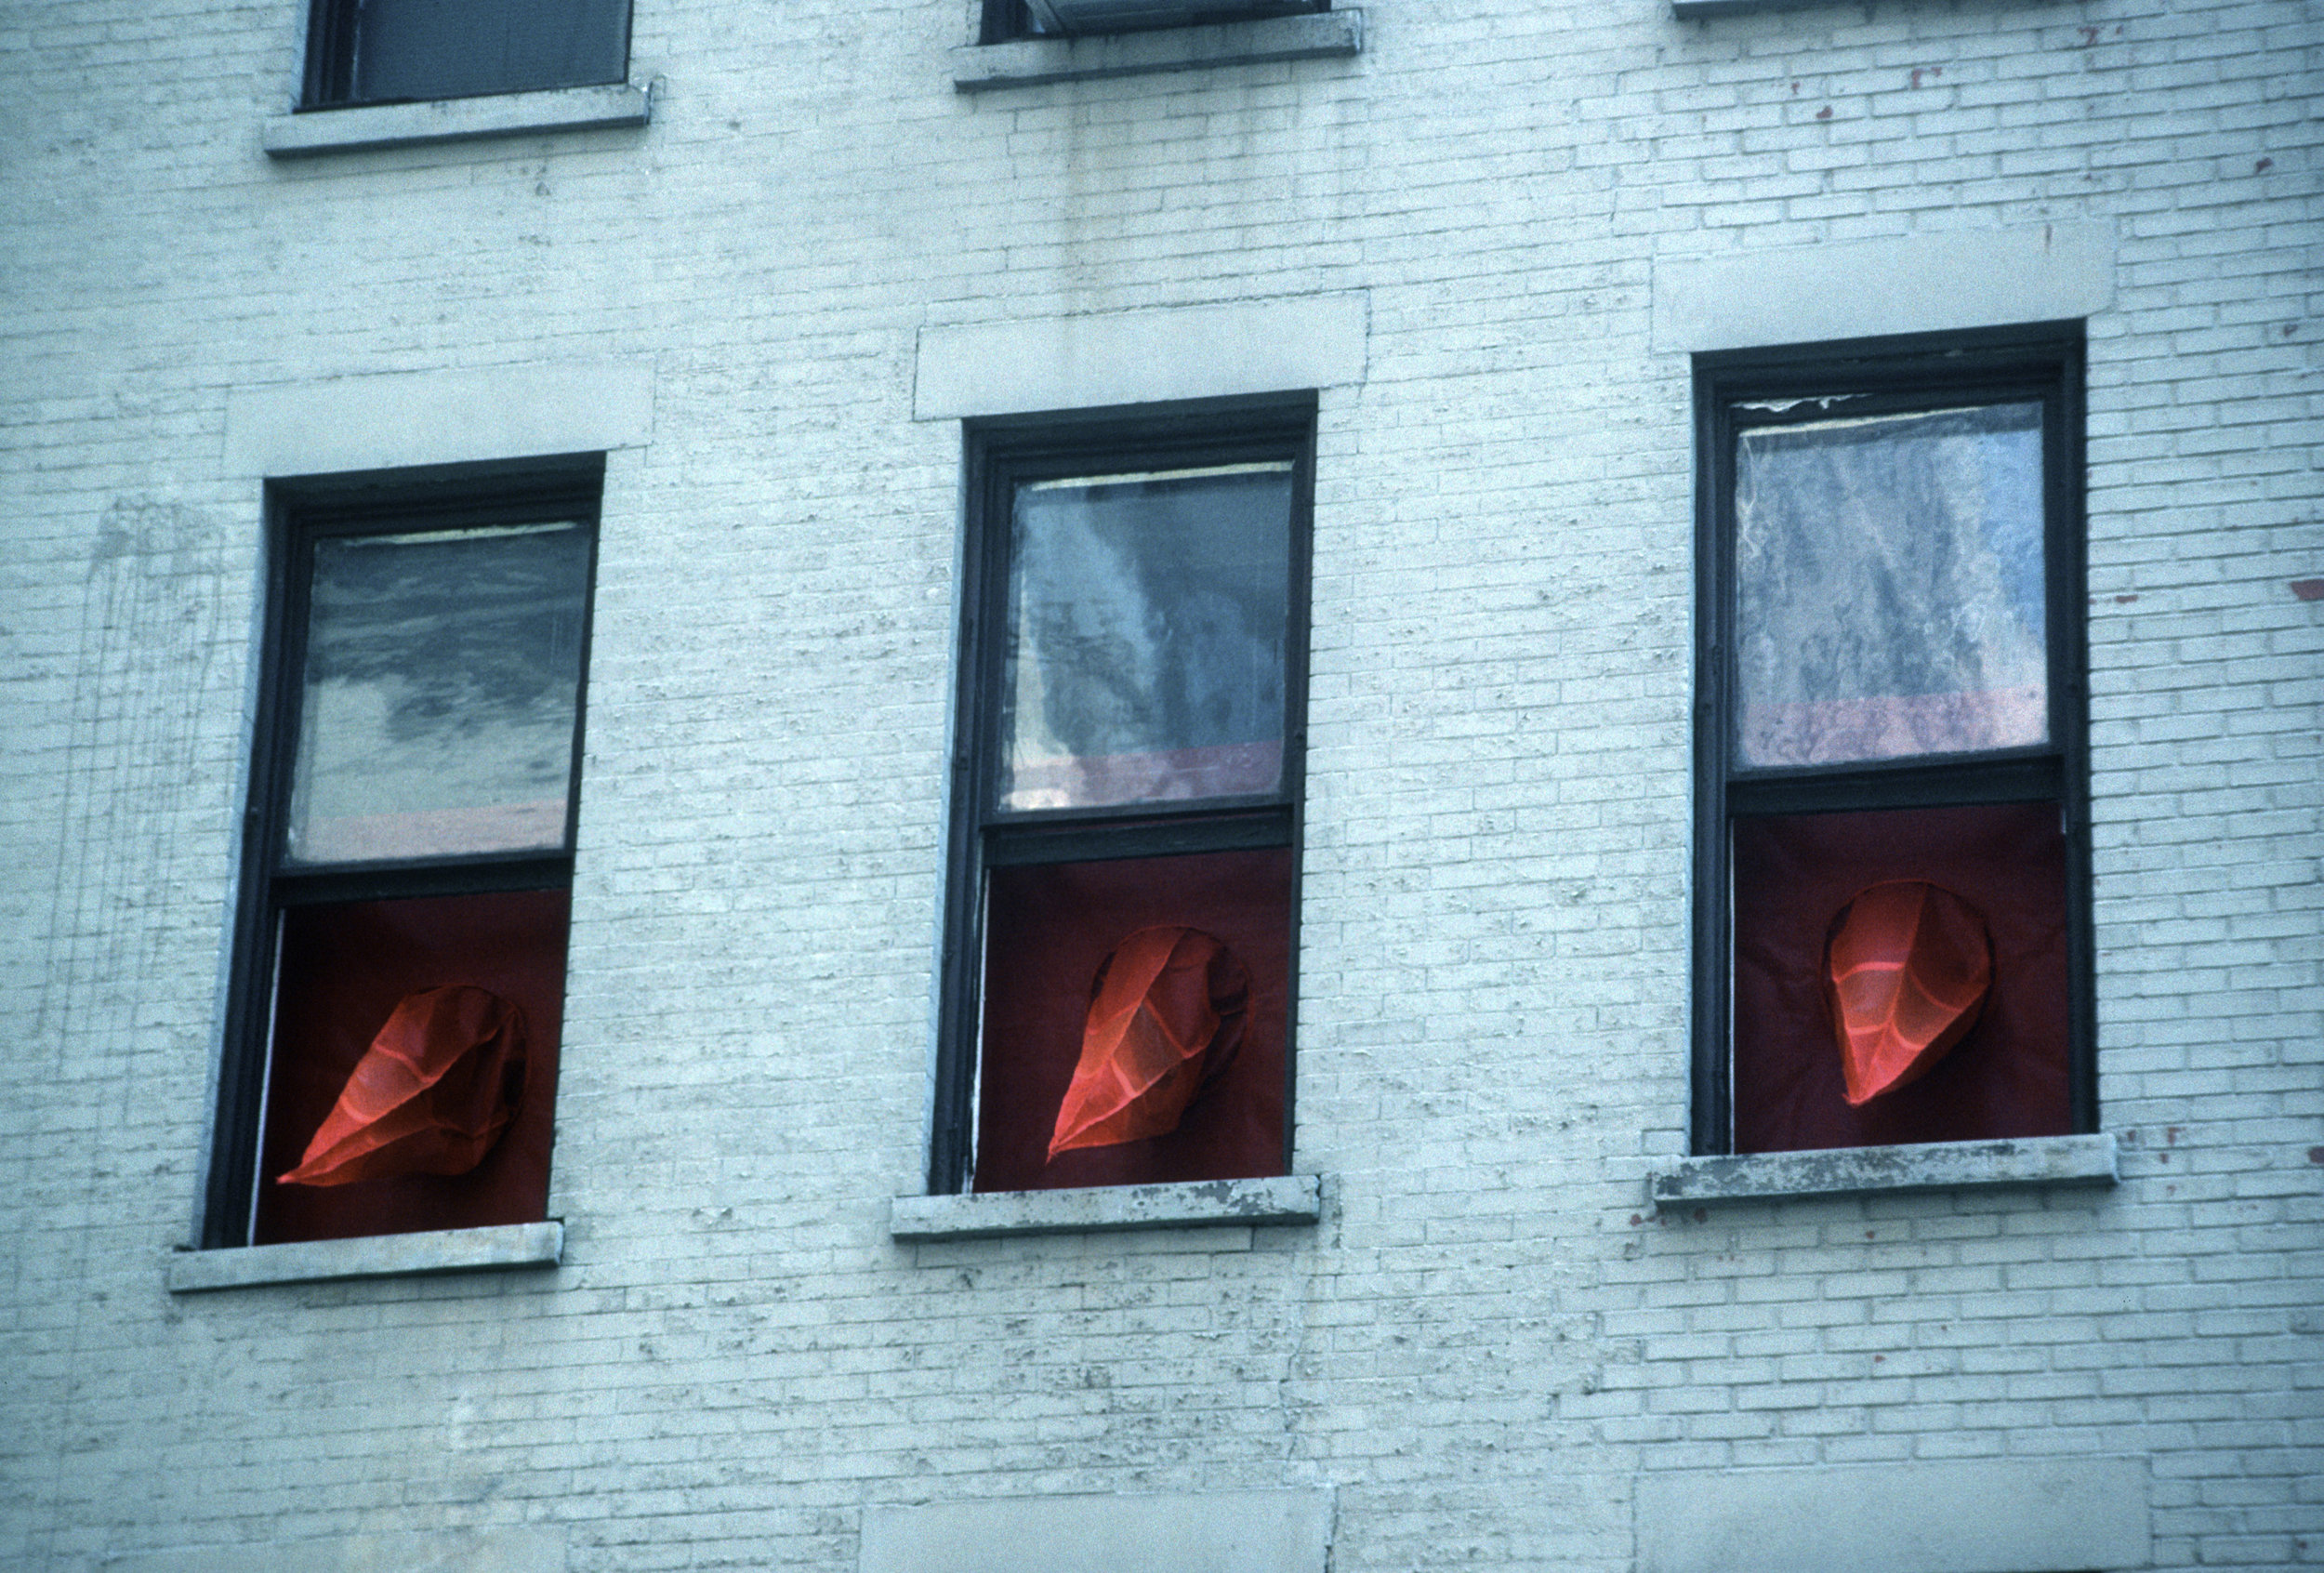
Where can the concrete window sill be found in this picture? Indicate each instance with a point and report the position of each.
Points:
(365, 127)
(1290, 1198)
(1847, 1172)
(380, 1256)
(1030, 62)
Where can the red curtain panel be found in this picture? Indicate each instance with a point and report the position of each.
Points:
(345, 968)
(1794, 874)
(1048, 929)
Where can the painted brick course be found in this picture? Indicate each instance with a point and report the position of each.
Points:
(1491, 1337)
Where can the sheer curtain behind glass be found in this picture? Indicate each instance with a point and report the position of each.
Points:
(1889, 580)
(442, 677)
(1145, 649)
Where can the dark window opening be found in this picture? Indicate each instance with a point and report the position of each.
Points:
(1891, 922)
(392, 51)
(409, 841)
(1005, 19)
(1121, 907)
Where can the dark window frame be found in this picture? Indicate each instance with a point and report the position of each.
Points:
(334, 38)
(999, 454)
(301, 511)
(1005, 21)
(2041, 362)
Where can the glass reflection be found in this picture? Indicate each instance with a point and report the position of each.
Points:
(443, 677)
(1889, 574)
(1146, 645)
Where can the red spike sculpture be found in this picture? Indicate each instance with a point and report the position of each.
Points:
(1907, 969)
(1167, 1010)
(431, 1096)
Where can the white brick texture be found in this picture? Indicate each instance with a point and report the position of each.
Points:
(1490, 1339)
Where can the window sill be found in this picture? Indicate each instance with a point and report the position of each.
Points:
(1030, 62)
(378, 1256)
(1288, 1199)
(363, 127)
(1847, 1172)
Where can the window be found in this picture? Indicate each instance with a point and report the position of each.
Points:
(1005, 19)
(1120, 931)
(1892, 923)
(399, 978)
(389, 52)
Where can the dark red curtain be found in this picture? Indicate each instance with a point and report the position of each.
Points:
(1047, 930)
(1794, 872)
(344, 968)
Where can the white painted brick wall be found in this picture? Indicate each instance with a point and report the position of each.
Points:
(1490, 1337)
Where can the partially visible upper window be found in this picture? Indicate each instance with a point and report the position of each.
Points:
(1005, 19)
(392, 51)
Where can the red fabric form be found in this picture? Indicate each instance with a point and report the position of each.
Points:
(2007, 1076)
(1906, 966)
(432, 1094)
(344, 968)
(1048, 929)
(1166, 1016)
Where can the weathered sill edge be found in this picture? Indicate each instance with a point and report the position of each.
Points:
(1843, 1171)
(367, 126)
(377, 1256)
(1030, 62)
(1288, 1199)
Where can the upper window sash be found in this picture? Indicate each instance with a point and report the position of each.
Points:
(1142, 659)
(437, 712)
(2031, 615)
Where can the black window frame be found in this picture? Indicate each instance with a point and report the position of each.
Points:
(1004, 21)
(301, 512)
(1000, 453)
(1887, 375)
(334, 40)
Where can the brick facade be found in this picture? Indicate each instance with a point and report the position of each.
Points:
(1491, 1351)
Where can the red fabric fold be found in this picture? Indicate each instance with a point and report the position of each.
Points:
(1907, 969)
(1167, 1010)
(438, 1084)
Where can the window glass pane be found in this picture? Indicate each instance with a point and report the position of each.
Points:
(1145, 646)
(1889, 587)
(443, 676)
(458, 48)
